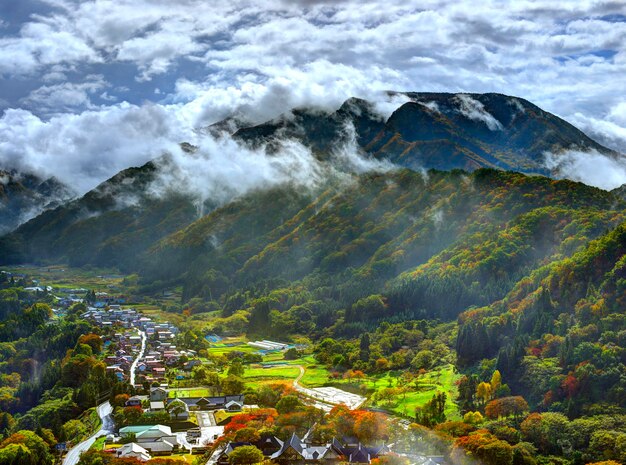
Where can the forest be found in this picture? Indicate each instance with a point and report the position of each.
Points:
(513, 283)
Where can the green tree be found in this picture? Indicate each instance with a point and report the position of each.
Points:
(288, 404)
(245, 455)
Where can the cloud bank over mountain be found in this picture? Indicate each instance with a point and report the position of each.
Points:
(90, 87)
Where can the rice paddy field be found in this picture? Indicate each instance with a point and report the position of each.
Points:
(61, 276)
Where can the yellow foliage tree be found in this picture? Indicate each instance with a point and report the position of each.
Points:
(483, 392)
(496, 382)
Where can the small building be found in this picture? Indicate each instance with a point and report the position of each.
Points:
(234, 406)
(178, 410)
(134, 401)
(158, 394)
(157, 405)
(133, 450)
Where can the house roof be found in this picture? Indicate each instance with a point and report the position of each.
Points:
(155, 431)
(134, 429)
(133, 447)
(160, 446)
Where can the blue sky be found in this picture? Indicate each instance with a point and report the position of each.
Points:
(90, 87)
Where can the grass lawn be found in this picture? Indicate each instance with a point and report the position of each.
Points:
(314, 375)
(99, 444)
(255, 375)
(222, 415)
(193, 392)
(440, 380)
(221, 348)
(189, 458)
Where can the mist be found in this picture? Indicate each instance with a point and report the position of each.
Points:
(591, 168)
(219, 169)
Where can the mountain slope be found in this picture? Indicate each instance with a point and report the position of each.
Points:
(108, 226)
(564, 320)
(435, 130)
(123, 216)
(23, 196)
(461, 240)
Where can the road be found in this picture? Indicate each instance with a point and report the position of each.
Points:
(133, 367)
(328, 396)
(104, 412)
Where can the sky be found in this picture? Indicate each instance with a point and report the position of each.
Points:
(88, 88)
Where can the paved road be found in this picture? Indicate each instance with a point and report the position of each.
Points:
(104, 411)
(328, 396)
(133, 367)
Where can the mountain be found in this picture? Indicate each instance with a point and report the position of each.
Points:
(107, 226)
(127, 215)
(24, 196)
(435, 130)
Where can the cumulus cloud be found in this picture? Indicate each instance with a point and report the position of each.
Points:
(84, 149)
(592, 168)
(210, 60)
(65, 96)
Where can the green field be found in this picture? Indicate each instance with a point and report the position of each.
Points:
(417, 394)
(192, 392)
(61, 276)
(256, 375)
(99, 443)
(315, 375)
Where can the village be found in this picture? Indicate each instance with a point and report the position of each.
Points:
(179, 417)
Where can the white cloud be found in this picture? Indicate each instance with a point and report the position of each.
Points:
(83, 150)
(65, 96)
(591, 168)
(260, 59)
(221, 169)
(475, 111)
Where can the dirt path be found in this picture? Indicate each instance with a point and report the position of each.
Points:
(327, 397)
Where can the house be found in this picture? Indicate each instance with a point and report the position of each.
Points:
(128, 431)
(234, 406)
(190, 364)
(158, 394)
(133, 450)
(178, 409)
(157, 405)
(212, 403)
(153, 433)
(297, 450)
(162, 446)
(134, 401)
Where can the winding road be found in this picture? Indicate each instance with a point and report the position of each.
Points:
(133, 367)
(104, 412)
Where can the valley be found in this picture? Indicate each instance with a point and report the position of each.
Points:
(456, 311)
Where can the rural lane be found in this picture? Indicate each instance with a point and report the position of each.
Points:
(104, 412)
(133, 367)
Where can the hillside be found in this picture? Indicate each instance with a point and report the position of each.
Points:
(108, 225)
(128, 213)
(24, 196)
(564, 320)
(434, 245)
